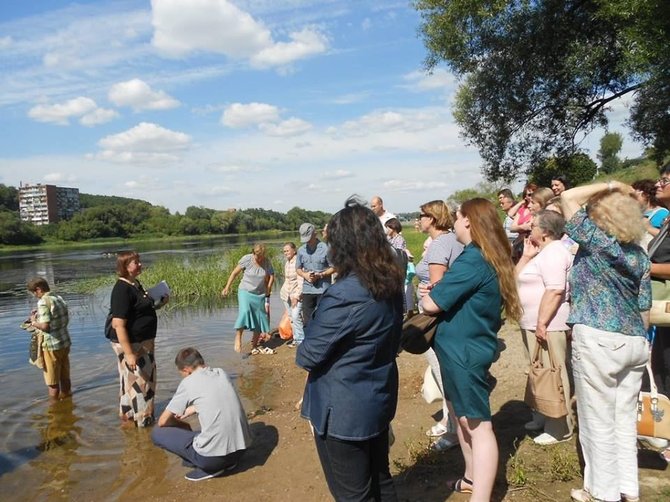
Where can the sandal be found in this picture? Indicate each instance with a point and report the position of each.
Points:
(457, 486)
(267, 350)
(255, 351)
(665, 455)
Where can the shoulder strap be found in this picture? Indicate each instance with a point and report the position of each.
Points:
(658, 240)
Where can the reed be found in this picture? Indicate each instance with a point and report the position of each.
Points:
(194, 280)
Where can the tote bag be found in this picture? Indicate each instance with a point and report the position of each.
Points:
(544, 388)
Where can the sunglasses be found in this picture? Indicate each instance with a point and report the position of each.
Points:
(424, 215)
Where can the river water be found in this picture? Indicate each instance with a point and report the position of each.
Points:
(76, 449)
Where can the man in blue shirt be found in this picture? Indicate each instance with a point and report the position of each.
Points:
(313, 265)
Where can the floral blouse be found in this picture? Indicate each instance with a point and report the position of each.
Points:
(609, 280)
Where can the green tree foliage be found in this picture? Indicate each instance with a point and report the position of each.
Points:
(483, 189)
(14, 231)
(610, 146)
(536, 76)
(578, 169)
(9, 198)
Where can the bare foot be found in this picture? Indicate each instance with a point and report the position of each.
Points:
(238, 349)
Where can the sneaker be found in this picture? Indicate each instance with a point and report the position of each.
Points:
(654, 442)
(546, 439)
(580, 495)
(200, 475)
(533, 426)
(293, 344)
(446, 442)
(437, 430)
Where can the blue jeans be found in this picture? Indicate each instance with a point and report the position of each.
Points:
(357, 470)
(180, 442)
(295, 313)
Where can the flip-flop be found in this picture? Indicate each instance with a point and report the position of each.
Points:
(255, 351)
(266, 350)
(457, 485)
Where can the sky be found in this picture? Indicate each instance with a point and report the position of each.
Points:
(232, 103)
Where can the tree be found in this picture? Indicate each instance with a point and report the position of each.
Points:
(578, 169)
(537, 76)
(610, 146)
(9, 198)
(482, 189)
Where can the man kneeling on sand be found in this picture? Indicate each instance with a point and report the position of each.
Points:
(224, 434)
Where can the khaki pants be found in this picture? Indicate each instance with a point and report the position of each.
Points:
(56, 366)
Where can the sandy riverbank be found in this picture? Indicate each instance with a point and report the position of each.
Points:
(283, 465)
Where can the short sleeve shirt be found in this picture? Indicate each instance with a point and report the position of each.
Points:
(443, 250)
(135, 306)
(254, 278)
(223, 423)
(53, 310)
(609, 281)
(314, 260)
(548, 270)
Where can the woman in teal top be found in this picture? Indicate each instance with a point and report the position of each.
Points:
(471, 296)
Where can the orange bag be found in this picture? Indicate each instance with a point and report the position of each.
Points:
(285, 330)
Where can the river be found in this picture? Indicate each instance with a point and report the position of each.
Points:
(76, 449)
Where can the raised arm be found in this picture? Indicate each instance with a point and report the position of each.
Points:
(572, 200)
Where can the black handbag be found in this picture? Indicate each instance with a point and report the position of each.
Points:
(418, 332)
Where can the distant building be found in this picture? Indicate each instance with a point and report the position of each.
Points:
(43, 204)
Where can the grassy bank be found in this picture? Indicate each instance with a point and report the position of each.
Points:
(194, 281)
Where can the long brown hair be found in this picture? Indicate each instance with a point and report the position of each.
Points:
(487, 234)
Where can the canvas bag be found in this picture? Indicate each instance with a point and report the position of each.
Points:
(418, 331)
(544, 388)
(653, 411)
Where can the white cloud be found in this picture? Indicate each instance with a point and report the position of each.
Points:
(366, 24)
(131, 184)
(409, 185)
(6, 42)
(146, 143)
(221, 27)
(290, 127)
(304, 43)
(422, 81)
(240, 115)
(336, 175)
(58, 177)
(392, 120)
(138, 95)
(98, 116)
(61, 113)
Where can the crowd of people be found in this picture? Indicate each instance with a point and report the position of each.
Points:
(573, 266)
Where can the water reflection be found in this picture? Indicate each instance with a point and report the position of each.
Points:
(77, 449)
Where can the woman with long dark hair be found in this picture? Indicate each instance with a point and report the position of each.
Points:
(349, 351)
(472, 294)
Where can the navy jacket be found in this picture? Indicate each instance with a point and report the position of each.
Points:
(349, 350)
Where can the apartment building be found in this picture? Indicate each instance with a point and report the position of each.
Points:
(43, 204)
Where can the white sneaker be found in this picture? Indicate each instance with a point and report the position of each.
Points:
(654, 442)
(546, 439)
(436, 430)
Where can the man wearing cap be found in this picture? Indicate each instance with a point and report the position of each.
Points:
(377, 207)
(313, 265)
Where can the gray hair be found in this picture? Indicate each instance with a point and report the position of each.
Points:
(552, 223)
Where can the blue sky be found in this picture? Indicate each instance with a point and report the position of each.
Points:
(231, 103)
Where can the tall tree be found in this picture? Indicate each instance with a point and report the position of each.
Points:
(537, 76)
(610, 146)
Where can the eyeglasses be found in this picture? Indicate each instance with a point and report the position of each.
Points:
(663, 182)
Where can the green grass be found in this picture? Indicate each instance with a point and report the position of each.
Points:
(195, 281)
